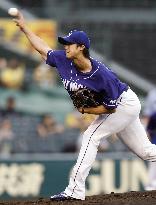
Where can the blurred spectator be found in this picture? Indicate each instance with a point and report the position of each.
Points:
(6, 131)
(49, 126)
(6, 136)
(7, 117)
(44, 76)
(9, 107)
(13, 76)
(3, 63)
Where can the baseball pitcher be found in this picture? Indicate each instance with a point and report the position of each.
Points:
(94, 89)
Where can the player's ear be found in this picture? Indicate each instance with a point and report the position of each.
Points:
(82, 47)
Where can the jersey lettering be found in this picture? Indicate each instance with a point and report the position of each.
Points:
(71, 86)
(75, 86)
(65, 83)
(112, 101)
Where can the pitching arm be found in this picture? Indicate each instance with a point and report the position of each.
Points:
(37, 43)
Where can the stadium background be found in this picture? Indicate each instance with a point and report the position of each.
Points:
(40, 131)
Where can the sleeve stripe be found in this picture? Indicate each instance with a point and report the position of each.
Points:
(110, 105)
(49, 52)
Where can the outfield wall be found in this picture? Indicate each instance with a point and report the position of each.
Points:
(28, 176)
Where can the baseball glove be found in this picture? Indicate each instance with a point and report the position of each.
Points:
(84, 98)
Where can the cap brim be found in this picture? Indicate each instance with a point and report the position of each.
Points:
(64, 41)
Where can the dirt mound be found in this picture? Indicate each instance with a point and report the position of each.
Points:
(130, 198)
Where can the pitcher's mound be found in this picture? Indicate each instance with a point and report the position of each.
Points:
(130, 198)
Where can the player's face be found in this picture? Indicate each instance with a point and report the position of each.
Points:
(72, 51)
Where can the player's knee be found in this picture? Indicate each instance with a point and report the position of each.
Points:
(96, 140)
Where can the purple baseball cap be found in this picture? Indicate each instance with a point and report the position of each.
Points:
(78, 37)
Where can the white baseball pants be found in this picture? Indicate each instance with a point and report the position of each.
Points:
(126, 124)
(151, 177)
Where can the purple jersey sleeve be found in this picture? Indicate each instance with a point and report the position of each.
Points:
(54, 57)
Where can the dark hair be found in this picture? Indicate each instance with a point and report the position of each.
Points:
(85, 52)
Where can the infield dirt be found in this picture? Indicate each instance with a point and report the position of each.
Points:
(130, 198)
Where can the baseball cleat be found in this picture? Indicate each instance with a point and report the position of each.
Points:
(61, 197)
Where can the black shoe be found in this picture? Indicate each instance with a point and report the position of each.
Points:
(62, 197)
